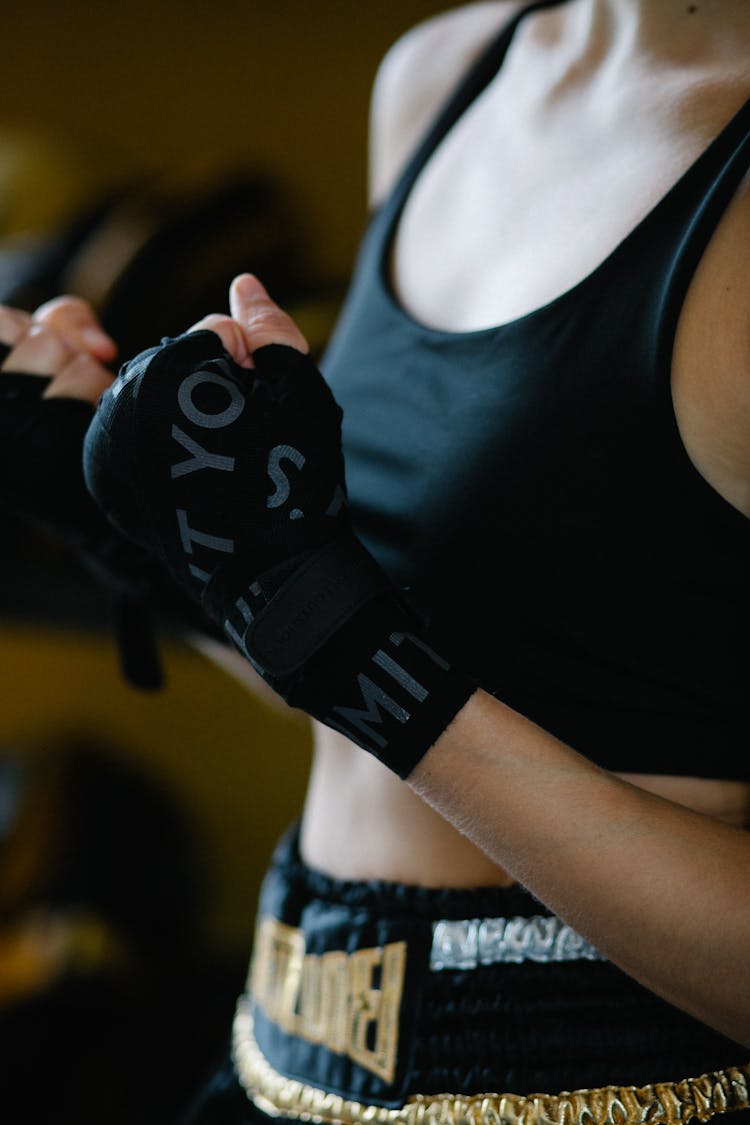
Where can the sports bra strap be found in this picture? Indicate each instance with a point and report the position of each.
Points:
(469, 88)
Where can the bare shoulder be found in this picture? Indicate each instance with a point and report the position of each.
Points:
(415, 77)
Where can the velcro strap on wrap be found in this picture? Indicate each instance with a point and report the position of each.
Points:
(320, 597)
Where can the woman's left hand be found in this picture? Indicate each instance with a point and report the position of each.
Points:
(256, 320)
(220, 451)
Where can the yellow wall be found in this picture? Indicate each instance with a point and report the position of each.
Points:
(157, 83)
(237, 767)
(164, 85)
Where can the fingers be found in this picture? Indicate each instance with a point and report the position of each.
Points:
(260, 318)
(75, 374)
(37, 351)
(82, 377)
(74, 320)
(256, 320)
(13, 324)
(230, 334)
(63, 341)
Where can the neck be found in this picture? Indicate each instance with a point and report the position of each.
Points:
(618, 45)
(689, 29)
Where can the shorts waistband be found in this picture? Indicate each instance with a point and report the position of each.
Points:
(495, 941)
(383, 995)
(377, 896)
(660, 1103)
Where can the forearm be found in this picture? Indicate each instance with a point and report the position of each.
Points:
(660, 890)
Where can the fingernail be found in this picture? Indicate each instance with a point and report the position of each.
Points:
(95, 338)
(247, 285)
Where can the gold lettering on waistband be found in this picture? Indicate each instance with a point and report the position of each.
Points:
(347, 1002)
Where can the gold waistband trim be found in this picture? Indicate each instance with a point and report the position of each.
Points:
(662, 1103)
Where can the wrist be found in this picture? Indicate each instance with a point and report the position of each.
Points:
(337, 640)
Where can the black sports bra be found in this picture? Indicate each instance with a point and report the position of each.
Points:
(529, 485)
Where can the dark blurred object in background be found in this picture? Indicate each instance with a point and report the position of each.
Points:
(113, 1003)
(163, 257)
(155, 256)
(152, 254)
(152, 257)
(53, 193)
(110, 1006)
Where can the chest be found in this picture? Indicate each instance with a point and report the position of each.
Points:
(516, 208)
(475, 460)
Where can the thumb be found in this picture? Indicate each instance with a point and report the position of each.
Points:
(261, 319)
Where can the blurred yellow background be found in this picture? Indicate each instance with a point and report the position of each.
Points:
(94, 95)
(236, 766)
(154, 84)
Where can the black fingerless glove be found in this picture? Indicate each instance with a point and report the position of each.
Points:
(41, 480)
(235, 480)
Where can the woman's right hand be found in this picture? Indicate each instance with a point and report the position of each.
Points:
(62, 341)
(51, 376)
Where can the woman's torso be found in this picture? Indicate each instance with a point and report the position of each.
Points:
(597, 136)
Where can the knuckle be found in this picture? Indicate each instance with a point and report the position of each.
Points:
(39, 351)
(65, 307)
(274, 325)
(268, 315)
(13, 323)
(228, 331)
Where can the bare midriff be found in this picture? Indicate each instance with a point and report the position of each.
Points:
(487, 267)
(362, 822)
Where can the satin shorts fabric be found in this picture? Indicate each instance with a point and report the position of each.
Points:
(509, 1027)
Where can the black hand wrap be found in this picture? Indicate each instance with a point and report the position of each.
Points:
(235, 480)
(41, 480)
